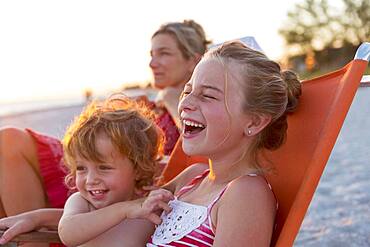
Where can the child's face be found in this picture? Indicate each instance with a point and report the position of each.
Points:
(211, 128)
(109, 182)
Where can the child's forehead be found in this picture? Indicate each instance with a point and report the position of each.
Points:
(101, 150)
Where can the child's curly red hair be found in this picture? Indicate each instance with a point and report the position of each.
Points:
(128, 124)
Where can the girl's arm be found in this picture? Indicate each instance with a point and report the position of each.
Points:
(245, 214)
(29, 221)
(79, 225)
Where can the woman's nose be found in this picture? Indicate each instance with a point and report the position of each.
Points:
(153, 62)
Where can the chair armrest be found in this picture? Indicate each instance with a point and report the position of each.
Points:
(36, 236)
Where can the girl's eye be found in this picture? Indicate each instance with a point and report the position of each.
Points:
(184, 94)
(208, 96)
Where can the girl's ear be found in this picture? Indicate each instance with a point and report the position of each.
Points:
(256, 124)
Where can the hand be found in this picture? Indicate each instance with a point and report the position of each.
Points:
(16, 225)
(151, 207)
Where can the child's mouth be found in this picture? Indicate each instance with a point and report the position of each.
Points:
(191, 127)
(97, 193)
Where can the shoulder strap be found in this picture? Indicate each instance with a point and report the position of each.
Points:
(192, 183)
(210, 206)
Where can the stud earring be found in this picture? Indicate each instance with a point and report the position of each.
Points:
(249, 132)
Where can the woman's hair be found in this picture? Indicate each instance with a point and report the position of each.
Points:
(130, 127)
(189, 35)
(267, 90)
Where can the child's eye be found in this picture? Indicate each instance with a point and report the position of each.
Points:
(105, 167)
(80, 168)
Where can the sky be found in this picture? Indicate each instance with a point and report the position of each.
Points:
(56, 49)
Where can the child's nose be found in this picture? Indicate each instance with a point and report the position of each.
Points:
(92, 178)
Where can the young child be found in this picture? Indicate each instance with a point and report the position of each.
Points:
(234, 106)
(111, 151)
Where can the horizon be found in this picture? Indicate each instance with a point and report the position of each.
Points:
(59, 49)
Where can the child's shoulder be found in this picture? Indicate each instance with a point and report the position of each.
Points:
(76, 202)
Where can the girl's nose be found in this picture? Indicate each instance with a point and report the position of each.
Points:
(187, 103)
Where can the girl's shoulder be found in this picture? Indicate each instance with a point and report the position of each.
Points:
(190, 173)
(186, 176)
(247, 203)
(254, 188)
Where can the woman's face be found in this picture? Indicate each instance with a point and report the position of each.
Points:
(168, 64)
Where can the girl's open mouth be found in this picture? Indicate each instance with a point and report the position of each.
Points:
(191, 127)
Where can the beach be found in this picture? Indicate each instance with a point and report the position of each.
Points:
(339, 214)
(52, 121)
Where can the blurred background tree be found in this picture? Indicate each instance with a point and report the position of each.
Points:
(321, 36)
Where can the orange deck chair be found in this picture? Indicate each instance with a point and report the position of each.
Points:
(312, 132)
(299, 163)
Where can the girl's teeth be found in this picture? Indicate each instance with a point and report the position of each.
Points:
(190, 123)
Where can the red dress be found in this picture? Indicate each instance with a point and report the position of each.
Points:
(165, 121)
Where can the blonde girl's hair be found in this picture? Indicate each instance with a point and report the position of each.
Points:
(130, 127)
(267, 90)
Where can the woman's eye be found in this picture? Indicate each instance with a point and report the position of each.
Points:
(164, 53)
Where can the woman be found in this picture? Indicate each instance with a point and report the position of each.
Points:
(176, 49)
(31, 166)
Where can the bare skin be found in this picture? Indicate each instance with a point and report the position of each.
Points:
(18, 162)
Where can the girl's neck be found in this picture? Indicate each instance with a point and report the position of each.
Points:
(225, 170)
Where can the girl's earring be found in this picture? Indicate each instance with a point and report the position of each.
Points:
(249, 132)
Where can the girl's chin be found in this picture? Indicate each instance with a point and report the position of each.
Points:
(191, 150)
